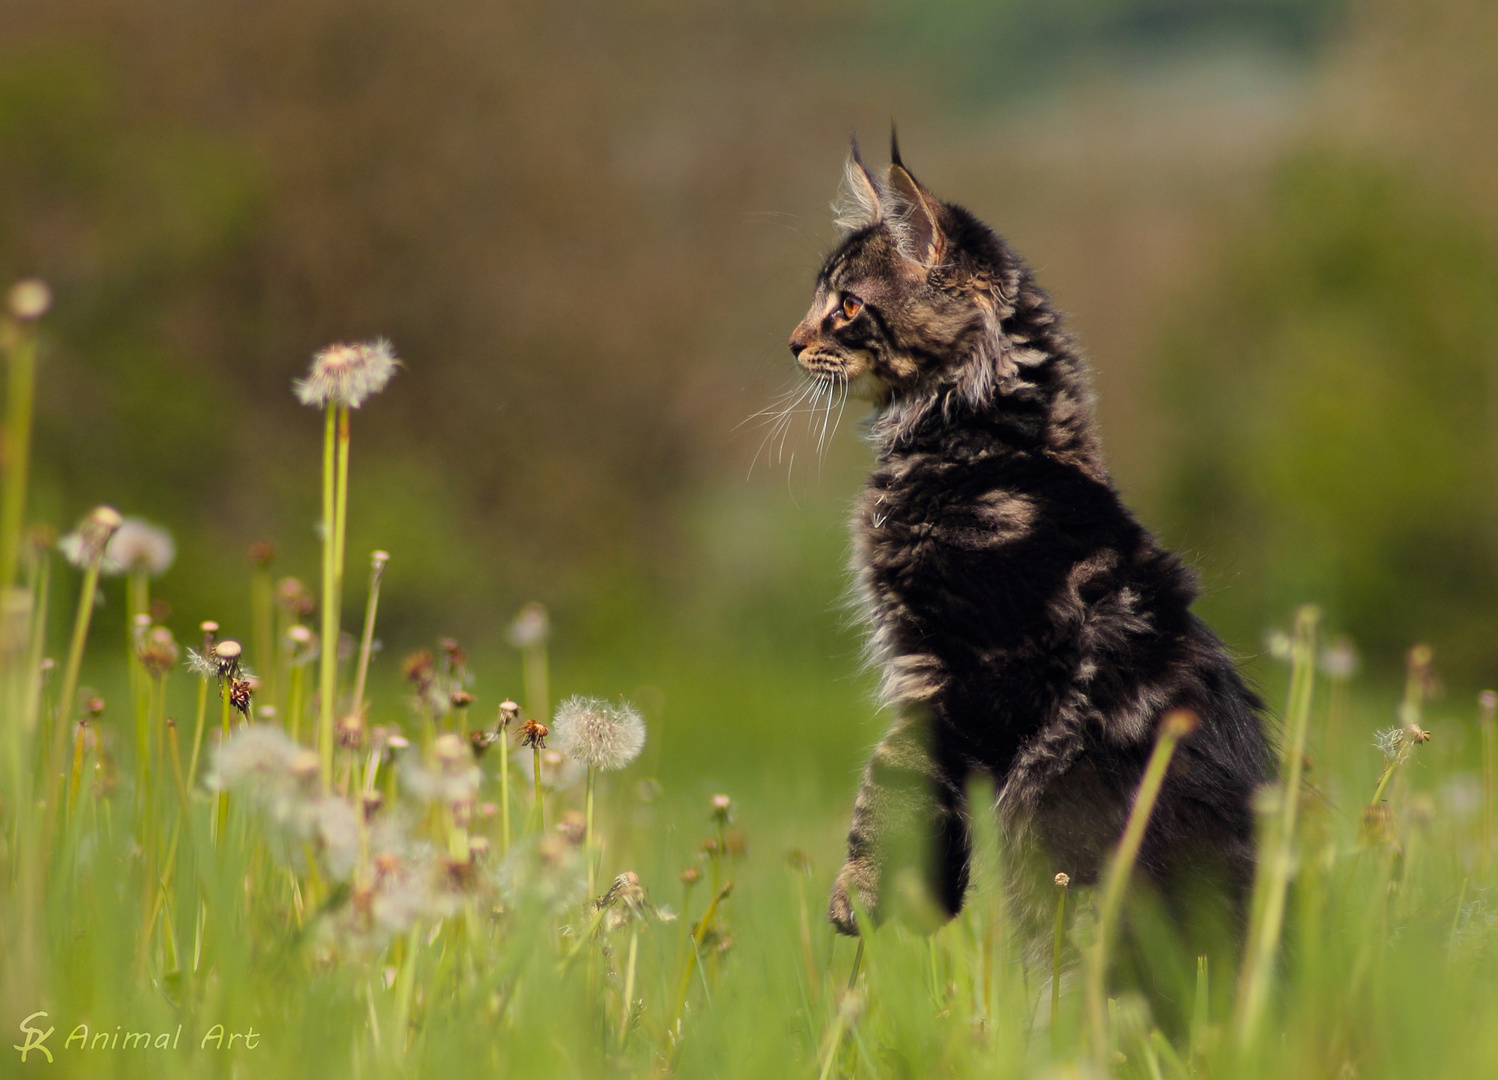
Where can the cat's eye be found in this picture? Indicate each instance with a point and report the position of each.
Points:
(852, 305)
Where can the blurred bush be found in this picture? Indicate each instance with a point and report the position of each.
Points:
(1332, 391)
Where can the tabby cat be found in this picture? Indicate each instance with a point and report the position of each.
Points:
(1025, 624)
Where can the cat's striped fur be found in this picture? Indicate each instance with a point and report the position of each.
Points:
(1025, 624)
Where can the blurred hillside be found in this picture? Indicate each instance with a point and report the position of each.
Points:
(588, 230)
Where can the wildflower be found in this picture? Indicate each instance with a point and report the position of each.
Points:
(509, 713)
(1278, 644)
(532, 626)
(691, 876)
(294, 598)
(28, 299)
(1062, 880)
(1340, 659)
(460, 699)
(303, 645)
(347, 375)
(480, 741)
(572, 826)
(159, 653)
(261, 553)
(88, 541)
(721, 806)
(350, 731)
(138, 547)
(456, 657)
(599, 734)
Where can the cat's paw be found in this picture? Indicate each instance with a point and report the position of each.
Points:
(857, 878)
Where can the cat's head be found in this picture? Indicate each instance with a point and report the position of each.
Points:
(913, 297)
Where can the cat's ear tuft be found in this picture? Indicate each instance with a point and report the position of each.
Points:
(914, 213)
(858, 204)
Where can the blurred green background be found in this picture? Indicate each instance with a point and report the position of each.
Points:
(589, 228)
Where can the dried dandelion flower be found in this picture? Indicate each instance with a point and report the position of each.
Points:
(509, 713)
(598, 733)
(138, 547)
(1062, 880)
(347, 375)
(533, 735)
(240, 691)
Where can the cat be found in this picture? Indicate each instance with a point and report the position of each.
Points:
(1024, 623)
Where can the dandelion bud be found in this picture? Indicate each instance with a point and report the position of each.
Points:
(94, 706)
(480, 741)
(461, 699)
(371, 803)
(599, 734)
(347, 375)
(691, 876)
(397, 742)
(29, 299)
(159, 653)
(721, 805)
(261, 553)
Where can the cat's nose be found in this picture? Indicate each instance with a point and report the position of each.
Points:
(798, 343)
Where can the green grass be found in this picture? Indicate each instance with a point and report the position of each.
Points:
(128, 910)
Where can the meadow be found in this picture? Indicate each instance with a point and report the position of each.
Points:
(229, 851)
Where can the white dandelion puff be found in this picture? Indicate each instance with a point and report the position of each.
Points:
(139, 547)
(347, 374)
(599, 733)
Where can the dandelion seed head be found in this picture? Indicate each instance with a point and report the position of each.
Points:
(599, 733)
(139, 547)
(347, 374)
(29, 299)
(1389, 742)
(1340, 659)
(532, 626)
(1062, 880)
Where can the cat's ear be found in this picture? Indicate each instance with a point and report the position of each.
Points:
(914, 213)
(858, 204)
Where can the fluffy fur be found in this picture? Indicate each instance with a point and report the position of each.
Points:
(1025, 624)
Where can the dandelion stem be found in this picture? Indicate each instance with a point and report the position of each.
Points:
(504, 793)
(1174, 726)
(629, 982)
(536, 775)
(588, 830)
(366, 641)
(197, 734)
(63, 713)
(1059, 937)
(1273, 878)
(15, 444)
(328, 658)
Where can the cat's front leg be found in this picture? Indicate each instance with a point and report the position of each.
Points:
(909, 834)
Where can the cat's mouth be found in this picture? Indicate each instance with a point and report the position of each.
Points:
(853, 371)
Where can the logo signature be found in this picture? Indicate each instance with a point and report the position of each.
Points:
(36, 1038)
